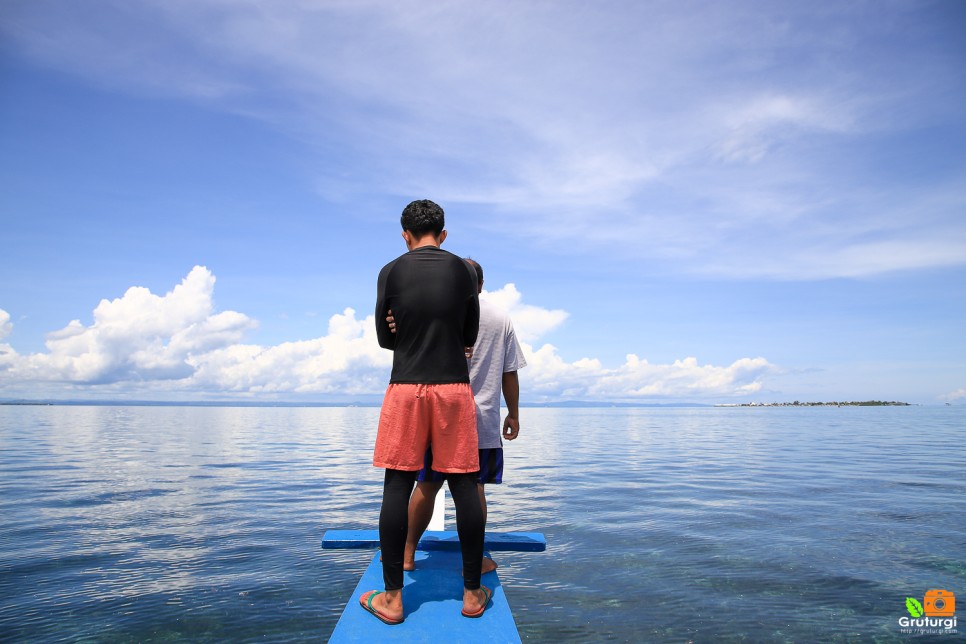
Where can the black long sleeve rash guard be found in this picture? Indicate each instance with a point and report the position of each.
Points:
(433, 297)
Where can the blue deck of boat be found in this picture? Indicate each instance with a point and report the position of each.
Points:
(433, 594)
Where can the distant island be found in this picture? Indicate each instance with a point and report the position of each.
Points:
(865, 403)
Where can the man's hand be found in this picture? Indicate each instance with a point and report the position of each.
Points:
(511, 428)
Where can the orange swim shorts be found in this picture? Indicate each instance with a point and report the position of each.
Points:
(415, 416)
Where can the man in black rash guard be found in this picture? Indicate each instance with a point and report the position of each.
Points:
(434, 301)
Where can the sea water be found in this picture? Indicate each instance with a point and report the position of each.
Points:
(162, 523)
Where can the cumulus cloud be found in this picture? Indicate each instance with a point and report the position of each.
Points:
(7, 354)
(6, 326)
(177, 343)
(139, 336)
(529, 322)
(348, 360)
(959, 394)
(637, 379)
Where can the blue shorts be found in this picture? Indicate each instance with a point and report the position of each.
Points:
(491, 467)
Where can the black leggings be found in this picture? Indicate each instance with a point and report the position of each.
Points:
(394, 524)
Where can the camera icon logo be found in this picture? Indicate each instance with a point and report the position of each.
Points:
(939, 603)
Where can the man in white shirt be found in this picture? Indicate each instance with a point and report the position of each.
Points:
(493, 364)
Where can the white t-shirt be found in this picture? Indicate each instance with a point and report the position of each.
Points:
(496, 351)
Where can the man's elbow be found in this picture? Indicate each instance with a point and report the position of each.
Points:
(386, 340)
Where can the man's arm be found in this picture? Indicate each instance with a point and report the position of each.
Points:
(511, 394)
(471, 324)
(385, 334)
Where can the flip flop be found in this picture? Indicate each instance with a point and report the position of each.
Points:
(479, 613)
(366, 602)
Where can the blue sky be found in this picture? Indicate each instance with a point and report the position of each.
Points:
(677, 202)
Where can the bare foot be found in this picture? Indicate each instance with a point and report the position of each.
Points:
(409, 558)
(409, 564)
(488, 565)
(385, 605)
(475, 601)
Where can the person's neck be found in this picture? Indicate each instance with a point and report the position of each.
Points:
(426, 240)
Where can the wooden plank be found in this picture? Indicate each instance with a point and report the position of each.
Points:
(441, 540)
(432, 600)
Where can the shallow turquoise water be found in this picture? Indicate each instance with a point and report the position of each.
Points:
(717, 524)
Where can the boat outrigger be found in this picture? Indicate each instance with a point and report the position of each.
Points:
(433, 592)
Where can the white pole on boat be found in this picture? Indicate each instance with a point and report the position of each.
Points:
(438, 522)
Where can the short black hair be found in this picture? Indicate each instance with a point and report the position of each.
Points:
(423, 216)
(476, 266)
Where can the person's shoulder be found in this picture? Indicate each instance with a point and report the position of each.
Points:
(390, 264)
(451, 256)
(401, 261)
(456, 259)
(489, 307)
(494, 312)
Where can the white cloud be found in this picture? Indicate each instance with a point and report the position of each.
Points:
(754, 129)
(529, 322)
(177, 344)
(6, 326)
(7, 355)
(959, 394)
(638, 380)
(715, 135)
(138, 337)
(549, 376)
(348, 360)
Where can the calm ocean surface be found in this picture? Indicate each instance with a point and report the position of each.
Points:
(136, 524)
